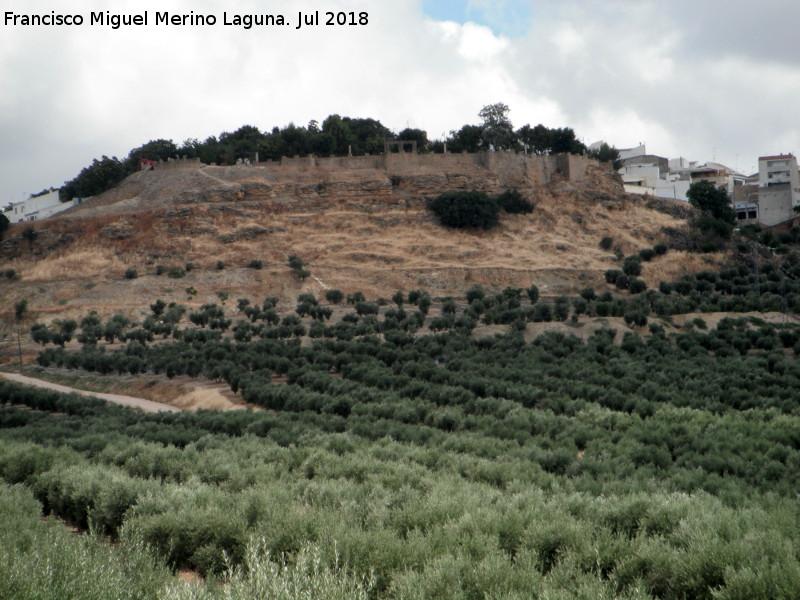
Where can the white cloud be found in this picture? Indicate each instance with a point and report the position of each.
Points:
(690, 79)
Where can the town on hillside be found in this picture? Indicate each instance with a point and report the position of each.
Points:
(766, 198)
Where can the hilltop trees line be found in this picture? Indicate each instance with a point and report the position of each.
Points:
(336, 136)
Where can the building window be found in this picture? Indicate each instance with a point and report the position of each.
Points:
(741, 215)
(752, 214)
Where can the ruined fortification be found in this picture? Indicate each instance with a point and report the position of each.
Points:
(401, 177)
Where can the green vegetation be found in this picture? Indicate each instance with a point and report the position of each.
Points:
(336, 136)
(298, 267)
(606, 153)
(466, 210)
(395, 465)
(513, 202)
(4, 225)
(717, 216)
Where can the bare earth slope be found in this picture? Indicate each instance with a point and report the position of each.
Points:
(363, 228)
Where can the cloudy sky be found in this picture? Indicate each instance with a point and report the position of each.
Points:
(710, 80)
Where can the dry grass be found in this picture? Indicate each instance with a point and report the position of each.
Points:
(352, 245)
(76, 263)
(205, 398)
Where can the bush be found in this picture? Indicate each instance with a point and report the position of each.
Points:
(465, 210)
(513, 202)
(160, 269)
(632, 267)
(647, 254)
(255, 264)
(176, 273)
(220, 265)
(635, 318)
(636, 286)
(334, 296)
(660, 249)
(475, 292)
(131, 273)
(607, 242)
(190, 266)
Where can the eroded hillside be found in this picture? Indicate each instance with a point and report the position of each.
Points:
(356, 229)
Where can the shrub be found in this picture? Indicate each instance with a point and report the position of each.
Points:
(176, 273)
(647, 254)
(465, 210)
(29, 234)
(334, 296)
(612, 275)
(160, 269)
(622, 282)
(632, 266)
(636, 286)
(475, 292)
(255, 264)
(220, 265)
(131, 273)
(635, 318)
(513, 202)
(660, 249)
(607, 242)
(190, 266)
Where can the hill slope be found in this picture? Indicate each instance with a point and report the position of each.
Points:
(361, 228)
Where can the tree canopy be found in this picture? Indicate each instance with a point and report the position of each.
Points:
(336, 136)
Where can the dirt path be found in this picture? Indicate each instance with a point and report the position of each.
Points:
(129, 401)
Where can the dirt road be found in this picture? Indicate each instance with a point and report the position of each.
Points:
(129, 401)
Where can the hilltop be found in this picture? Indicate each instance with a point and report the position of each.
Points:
(359, 223)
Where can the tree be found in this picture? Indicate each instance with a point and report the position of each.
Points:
(467, 139)
(497, 129)
(415, 135)
(466, 209)
(152, 150)
(718, 216)
(537, 140)
(606, 153)
(95, 179)
(712, 200)
(334, 296)
(4, 225)
(340, 135)
(21, 320)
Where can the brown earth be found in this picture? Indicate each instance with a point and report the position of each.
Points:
(362, 230)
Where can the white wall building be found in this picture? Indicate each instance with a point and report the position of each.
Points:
(778, 188)
(38, 208)
(649, 175)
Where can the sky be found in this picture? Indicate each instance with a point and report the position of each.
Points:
(712, 80)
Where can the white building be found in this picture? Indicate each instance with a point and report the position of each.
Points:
(778, 188)
(38, 207)
(650, 175)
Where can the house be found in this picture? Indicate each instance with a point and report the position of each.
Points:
(778, 188)
(650, 175)
(718, 174)
(38, 207)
